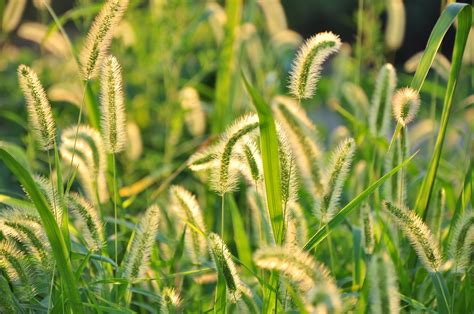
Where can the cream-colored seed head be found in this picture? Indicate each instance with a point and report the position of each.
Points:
(406, 103)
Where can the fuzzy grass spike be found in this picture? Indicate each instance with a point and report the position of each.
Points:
(100, 36)
(39, 109)
(113, 119)
(419, 235)
(306, 68)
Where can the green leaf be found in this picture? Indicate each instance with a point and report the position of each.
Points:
(325, 229)
(243, 242)
(55, 236)
(271, 173)
(463, 14)
(226, 67)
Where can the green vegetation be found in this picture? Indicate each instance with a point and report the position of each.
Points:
(198, 156)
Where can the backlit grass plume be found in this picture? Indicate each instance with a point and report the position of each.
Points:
(368, 225)
(17, 269)
(39, 109)
(323, 298)
(338, 170)
(419, 235)
(223, 175)
(251, 161)
(222, 158)
(185, 205)
(24, 227)
(306, 68)
(384, 296)
(223, 261)
(88, 221)
(296, 264)
(395, 30)
(300, 132)
(86, 153)
(99, 37)
(134, 142)
(193, 112)
(113, 118)
(170, 301)
(296, 229)
(379, 113)
(461, 247)
(406, 103)
(136, 261)
(288, 174)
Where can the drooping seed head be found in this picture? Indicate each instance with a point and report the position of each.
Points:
(112, 106)
(294, 263)
(223, 261)
(250, 161)
(39, 109)
(307, 65)
(185, 205)
(296, 229)
(302, 138)
(83, 147)
(88, 221)
(406, 103)
(99, 37)
(419, 234)
(224, 176)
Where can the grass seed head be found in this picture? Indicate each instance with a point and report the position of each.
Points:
(461, 247)
(418, 233)
(306, 68)
(406, 103)
(185, 205)
(223, 261)
(137, 259)
(100, 36)
(379, 112)
(383, 285)
(112, 106)
(39, 109)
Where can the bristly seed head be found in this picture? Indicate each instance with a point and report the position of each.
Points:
(419, 234)
(99, 37)
(39, 109)
(307, 65)
(406, 103)
(113, 109)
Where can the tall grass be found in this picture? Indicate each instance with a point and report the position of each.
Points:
(210, 176)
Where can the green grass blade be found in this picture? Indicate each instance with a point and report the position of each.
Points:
(442, 293)
(226, 67)
(323, 232)
(243, 242)
(55, 236)
(15, 202)
(92, 106)
(463, 14)
(270, 159)
(271, 172)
